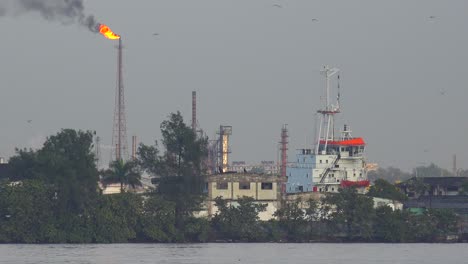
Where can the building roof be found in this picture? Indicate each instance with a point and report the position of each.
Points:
(250, 177)
(452, 181)
(346, 142)
(441, 181)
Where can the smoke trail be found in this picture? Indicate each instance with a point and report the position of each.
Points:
(65, 11)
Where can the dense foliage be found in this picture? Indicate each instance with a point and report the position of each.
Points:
(384, 189)
(395, 175)
(53, 196)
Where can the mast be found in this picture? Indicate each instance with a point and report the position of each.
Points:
(327, 118)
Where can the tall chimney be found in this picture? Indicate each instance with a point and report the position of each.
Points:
(284, 150)
(134, 147)
(454, 168)
(194, 111)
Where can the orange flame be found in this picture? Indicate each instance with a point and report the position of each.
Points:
(107, 32)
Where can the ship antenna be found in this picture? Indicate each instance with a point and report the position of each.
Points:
(338, 96)
(326, 128)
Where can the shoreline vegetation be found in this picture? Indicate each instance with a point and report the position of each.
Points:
(52, 195)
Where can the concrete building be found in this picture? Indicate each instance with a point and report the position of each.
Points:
(436, 192)
(263, 189)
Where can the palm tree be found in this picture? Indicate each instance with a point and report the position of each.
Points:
(125, 173)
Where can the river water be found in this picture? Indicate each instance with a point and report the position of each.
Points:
(236, 253)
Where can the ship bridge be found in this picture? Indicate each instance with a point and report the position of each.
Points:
(345, 148)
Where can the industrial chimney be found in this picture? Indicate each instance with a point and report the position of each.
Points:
(194, 111)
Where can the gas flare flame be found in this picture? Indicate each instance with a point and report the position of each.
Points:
(107, 32)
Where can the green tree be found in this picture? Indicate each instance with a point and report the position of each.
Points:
(66, 165)
(417, 186)
(390, 225)
(383, 189)
(157, 221)
(390, 174)
(421, 228)
(464, 188)
(179, 168)
(24, 165)
(184, 151)
(296, 218)
(351, 212)
(26, 212)
(446, 221)
(125, 173)
(115, 218)
(149, 159)
(238, 220)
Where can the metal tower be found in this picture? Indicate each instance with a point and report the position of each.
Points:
(134, 147)
(194, 111)
(454, 165)
(97, 151)
(326, 131)
(119, 134)
(284, 150)
(224, 150)
(212, 161)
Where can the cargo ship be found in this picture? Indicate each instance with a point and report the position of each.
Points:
(334, 161)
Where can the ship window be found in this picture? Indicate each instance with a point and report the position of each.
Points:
(221, 185)
(267, 186)
(320, 161)
(333, 189)
(327, 161)
(300, 188)
(307, 175)
(244, 185)
(337, 166)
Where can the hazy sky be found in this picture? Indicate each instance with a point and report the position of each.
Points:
(254, 66)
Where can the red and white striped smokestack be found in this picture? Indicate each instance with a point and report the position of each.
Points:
(194, 111)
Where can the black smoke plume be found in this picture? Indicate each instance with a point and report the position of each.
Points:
(64, 11)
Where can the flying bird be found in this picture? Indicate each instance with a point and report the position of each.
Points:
(314, 20)
(432, 17)
(155, 34)
(277, 5)
(29, 121)
(442, 92)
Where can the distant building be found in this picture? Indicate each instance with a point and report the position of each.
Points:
(437, 193)
(232, 186)
(433, 186)
(112, 188)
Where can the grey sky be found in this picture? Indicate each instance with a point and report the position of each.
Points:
(254, 66)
